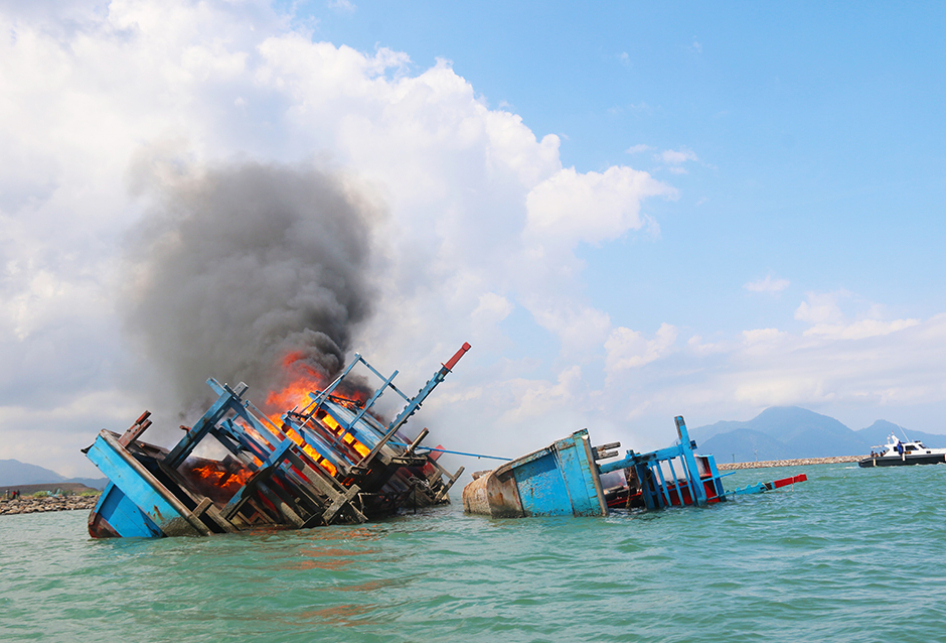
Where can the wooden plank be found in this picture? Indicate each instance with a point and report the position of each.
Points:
(282, 506)
(135, 430)
(324, 487)
(212, 512)
(340, 502)
(448, 484)
(201, 507)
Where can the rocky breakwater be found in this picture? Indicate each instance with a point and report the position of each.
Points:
(765, 464)
(30, 505)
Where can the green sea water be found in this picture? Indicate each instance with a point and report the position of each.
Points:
(851, 555)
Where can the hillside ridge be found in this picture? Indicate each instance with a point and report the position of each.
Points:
(792, 432)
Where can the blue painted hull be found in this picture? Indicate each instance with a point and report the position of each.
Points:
(559, 480)
(136, 503)
(117, 516)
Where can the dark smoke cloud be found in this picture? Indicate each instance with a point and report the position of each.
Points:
(239, 267)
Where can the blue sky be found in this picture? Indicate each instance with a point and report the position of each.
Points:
(631, 210)
(818, 131)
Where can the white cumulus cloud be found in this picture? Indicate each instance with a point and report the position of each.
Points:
(637, 149)
(480, 227)
(767, 285)
(677, 157)
(480, 215)
(593, 207)
(627, 348)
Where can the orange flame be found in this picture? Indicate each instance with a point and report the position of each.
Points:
(309, 451)
(336, 428)
(303, 379)
(230, 481)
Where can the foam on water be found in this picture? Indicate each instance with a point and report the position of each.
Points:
(853, 554)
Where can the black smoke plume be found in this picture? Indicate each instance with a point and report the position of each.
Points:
(239, 270)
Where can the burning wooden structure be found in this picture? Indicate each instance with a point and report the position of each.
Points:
(327, 461)
(565, 478)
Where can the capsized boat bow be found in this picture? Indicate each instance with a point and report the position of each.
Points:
(565, 478)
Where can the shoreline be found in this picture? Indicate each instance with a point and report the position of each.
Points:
(767, 464)
(30, 505)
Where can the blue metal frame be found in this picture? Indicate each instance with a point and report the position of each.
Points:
(655, 489)
(359, 424)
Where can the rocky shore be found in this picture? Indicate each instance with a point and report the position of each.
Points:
(29, 505)
(730, 466)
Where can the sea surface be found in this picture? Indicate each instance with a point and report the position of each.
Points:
(851, 555)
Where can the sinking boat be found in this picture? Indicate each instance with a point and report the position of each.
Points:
(555, 481)
(895, 453)
(565, 478)
(327, 461)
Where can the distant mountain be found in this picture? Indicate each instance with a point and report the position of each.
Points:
(786, 432)
(775, 421)
(877, 433)
(14, 472)
(703, 433)
(744, 445)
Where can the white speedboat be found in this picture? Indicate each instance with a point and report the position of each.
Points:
(896, 453)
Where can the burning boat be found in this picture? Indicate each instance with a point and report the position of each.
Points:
(565, 478)
(328, 461)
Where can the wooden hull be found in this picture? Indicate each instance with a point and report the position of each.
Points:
(559, 480)
(135, 503)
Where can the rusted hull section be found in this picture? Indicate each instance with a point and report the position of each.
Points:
(327, 461)
(495, 494)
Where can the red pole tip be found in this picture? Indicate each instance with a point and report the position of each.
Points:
(784, 482)
(456, 358)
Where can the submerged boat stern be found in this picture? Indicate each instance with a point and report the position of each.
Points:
(559, 480)
(565, 479)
